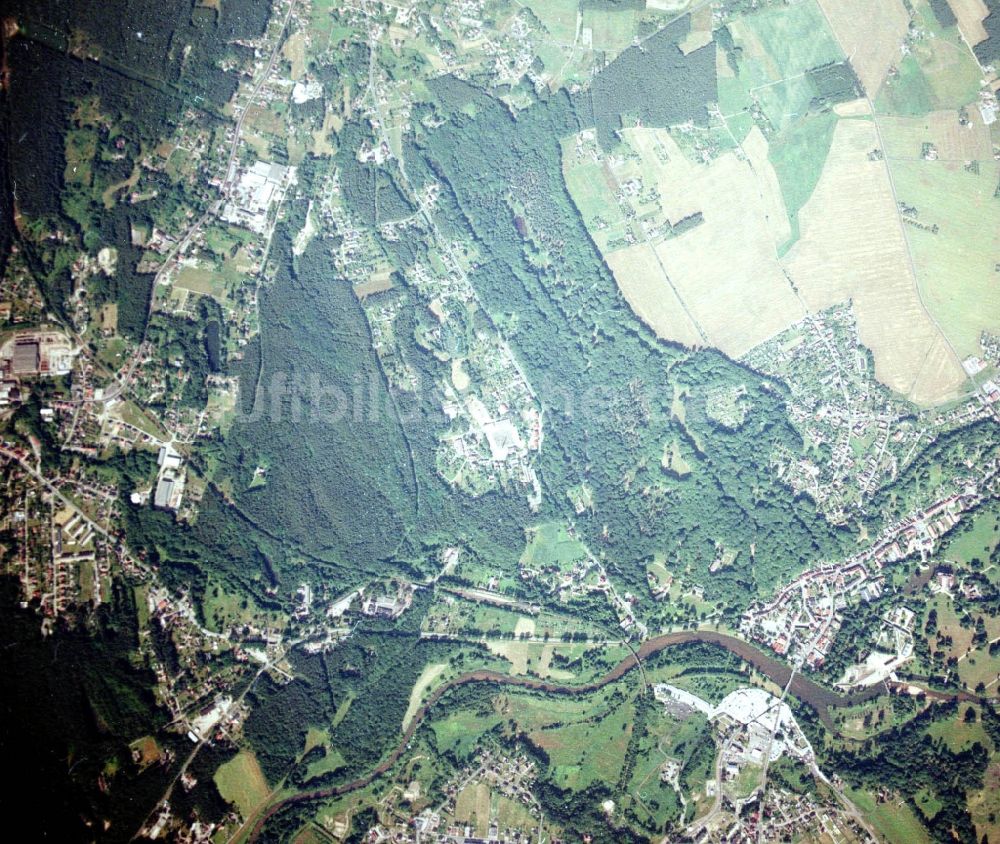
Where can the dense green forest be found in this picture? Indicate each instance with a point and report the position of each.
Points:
(577, 339)
(144, 77)
(71, 702)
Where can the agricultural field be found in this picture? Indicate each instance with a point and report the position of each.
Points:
(954, 238)
(970, 15)
(779, 46)
(727, 242)
(717, 281)
(870, 33)
(853, 246)
(241, 782)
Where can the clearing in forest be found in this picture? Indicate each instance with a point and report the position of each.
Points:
(240, 781)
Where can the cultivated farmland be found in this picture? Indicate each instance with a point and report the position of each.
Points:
(853, 247)
(870, 33)
(955, 241)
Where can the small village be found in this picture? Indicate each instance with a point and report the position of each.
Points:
(502, 778)
(754, 730)
(801, 621)
(861, 435)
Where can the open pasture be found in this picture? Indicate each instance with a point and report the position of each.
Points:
(241, 782)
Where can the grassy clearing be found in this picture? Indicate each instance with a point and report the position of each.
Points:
(983, 804)
(241, 782)
(424, 682)
(550, 544)
(558, 17)
(798, 155)
(329, 762)
(223, 610)
(586, 752)
(511, 814)
(81, 146)
(202, 278)
(894, 820)
(459, 732)
(959, 735)
(978, 542)
(611, 31)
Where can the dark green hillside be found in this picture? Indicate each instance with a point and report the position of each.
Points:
(605, 379)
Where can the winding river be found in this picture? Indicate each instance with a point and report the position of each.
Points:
(818, 697)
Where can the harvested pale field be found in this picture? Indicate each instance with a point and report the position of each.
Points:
(956, 264)
(719, 282)
(667, 5)
(378, 282)
(852, 246)
(524, 625)
(472, 806)
(904, 137)
(870, 34)
(459, 377)
(517, 653)
(647, 290)
(853, 108)
(240, 781)
(295, 51)
(970, 14)
(332, 122)
(726, 270)
(424, 682)
(695, 40)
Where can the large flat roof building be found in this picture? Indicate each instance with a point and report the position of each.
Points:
(26, 358)
(164, 492)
